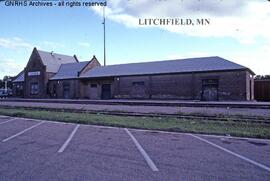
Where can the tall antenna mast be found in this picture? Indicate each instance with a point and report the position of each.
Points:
(104, 35)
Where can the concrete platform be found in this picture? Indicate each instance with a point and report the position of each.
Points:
(131, 102)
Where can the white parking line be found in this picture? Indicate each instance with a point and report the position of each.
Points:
(143, 152)
(8, 121)
(1, 116)
(31, 119)
(232, 137)
(20, 133)
(233, 153)
(63, 147)
(204, 135)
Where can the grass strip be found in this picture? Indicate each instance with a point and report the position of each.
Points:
(241, 129)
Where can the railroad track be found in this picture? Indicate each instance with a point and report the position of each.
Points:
(250, 105)
(249, 119)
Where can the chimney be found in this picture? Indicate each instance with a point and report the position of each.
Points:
(52, 53)
(77, 60)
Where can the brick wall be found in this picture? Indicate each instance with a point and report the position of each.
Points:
(64, 89)
(35, 65)
(232, 85)
(89, 91)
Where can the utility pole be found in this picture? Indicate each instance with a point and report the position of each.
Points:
(104, 35)
(6, 89)
(6, 84)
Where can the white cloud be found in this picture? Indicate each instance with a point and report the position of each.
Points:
(51, 45)
(246, 21)
(10, 67)
(257, 59)
(84, 44)
(243, 20)
(14, 43)
(12, 64)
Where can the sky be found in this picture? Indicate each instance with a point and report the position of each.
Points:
(239, 31)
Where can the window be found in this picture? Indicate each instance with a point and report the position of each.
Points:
(93, 85)
(138, 83)
(34, 88)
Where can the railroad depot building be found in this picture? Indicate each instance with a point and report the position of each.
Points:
(52, 75)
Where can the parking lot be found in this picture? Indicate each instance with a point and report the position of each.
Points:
(45, 150)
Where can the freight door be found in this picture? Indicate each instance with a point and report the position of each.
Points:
(210, 90)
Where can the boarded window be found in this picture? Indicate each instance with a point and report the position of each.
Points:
(34, 88)
(93, 85)
(138, 83)
(210, 81)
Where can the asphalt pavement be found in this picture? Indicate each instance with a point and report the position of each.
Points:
(45, 150)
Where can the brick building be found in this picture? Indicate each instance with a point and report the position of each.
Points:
(50, 75)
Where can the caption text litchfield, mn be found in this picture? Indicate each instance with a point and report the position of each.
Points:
(173, 22)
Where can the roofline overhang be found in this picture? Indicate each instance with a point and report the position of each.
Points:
(70, 78)
(17, 81)
(171, 73)
(250, 71)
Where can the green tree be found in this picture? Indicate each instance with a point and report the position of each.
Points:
(2, 84)
(262, 77)
(7, 79)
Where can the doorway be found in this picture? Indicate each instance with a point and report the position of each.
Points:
(66, 91)
(209, 90)
(106, 91)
